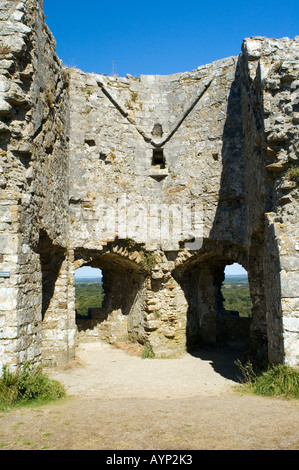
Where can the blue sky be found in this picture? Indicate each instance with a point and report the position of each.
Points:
(161, 37)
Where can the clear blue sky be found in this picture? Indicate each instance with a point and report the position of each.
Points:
(161, 37)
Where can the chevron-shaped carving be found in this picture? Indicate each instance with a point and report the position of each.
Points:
(192, 103)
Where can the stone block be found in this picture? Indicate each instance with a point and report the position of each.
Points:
(8, 298)
(289, 284)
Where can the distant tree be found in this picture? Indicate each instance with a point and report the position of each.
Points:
(237, 298)
(88, 294)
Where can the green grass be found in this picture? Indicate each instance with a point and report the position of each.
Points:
(276, 381)
(147, 353)
(26, 386)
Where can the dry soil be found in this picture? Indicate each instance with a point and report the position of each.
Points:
(119, 401)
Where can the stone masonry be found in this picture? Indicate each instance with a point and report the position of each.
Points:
(160, 181)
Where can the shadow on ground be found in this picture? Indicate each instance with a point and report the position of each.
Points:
(223, 360)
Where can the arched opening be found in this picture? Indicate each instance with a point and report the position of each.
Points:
(113, 288)
(211, 322)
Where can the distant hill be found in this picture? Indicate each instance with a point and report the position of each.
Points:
(229, 279)
(236, 279)
(88, 279)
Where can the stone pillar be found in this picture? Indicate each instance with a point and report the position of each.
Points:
(282, 294)
(165, 317)
(271, 85)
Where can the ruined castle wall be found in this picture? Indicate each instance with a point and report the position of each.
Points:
(117, 126)
(271, 84)
(34, 130)
(282, 218)
(93, 166)
(233, 152)
(113, 141)
(255, 175)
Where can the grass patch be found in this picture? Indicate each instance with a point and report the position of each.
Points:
(148, 353)
(148, 260)
(275, 381)
(293, 174)
(27, 386)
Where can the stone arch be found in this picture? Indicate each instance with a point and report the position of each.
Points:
(121, 317)
(201, 276)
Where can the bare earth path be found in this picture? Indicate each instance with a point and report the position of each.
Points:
(122, 402)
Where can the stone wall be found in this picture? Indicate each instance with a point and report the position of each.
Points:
(117, 127)
(92, 168)
(218, 128)
(112, 145)
(34, 174)
(272, 86)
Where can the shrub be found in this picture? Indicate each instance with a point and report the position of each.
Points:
(278, 380)
(134, 96)
(26, 385)
(148, 260)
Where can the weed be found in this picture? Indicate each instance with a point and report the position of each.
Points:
(293, 174)
(27, 443)
(148, 353)
(112, 155)
(277, 380)
(129, 104)
(134, 96)
(60, 127)
(148, 260)
(26, 385)
(49, 98)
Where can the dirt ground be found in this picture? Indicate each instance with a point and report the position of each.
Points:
(119, 401)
